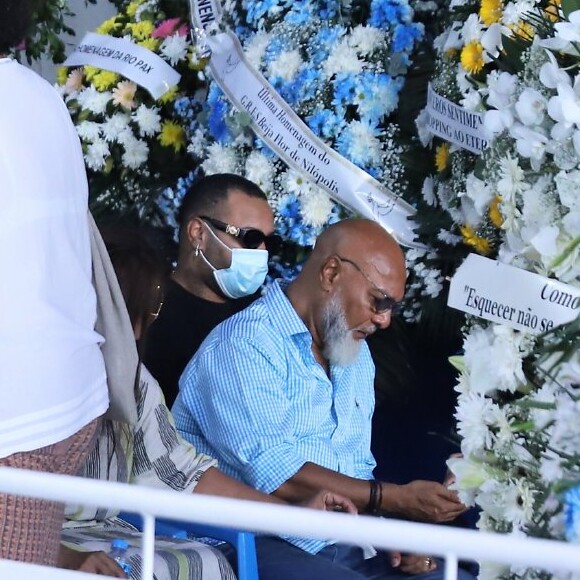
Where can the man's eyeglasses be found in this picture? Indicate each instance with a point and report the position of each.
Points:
(251, 238)
(381, 304)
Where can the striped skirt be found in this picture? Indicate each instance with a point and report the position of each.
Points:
(174, 558)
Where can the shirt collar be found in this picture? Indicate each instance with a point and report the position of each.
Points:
(282, 313)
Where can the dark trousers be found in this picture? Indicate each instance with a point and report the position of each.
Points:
(279, 560)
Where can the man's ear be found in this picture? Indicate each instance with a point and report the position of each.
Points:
(329, 273)
(196, 233)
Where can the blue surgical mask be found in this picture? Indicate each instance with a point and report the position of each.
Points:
(245, 274)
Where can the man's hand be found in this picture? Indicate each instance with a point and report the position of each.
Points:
(93, 562)
(425, 501)
(330, 502)
(413, 563)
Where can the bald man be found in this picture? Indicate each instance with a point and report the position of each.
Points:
(282, 394)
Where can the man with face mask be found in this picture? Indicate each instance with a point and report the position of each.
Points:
(282, 395)
(226, 229)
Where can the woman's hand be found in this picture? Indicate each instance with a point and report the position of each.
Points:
(93, 562)
(330, 502)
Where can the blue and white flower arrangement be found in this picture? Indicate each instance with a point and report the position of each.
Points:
(340, 66)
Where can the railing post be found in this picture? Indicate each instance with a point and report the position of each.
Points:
(148, 546)
(451, 564)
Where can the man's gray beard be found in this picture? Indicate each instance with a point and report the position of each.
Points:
(340, 348)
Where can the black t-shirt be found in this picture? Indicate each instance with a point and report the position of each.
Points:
(183, 323)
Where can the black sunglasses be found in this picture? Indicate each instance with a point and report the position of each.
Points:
(381, 304)
(251, 238)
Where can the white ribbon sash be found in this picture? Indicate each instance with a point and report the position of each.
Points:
(274, 121)
(126, 58)
(512, 296)
(455, 124)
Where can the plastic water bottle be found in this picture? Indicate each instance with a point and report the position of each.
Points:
(119, 554)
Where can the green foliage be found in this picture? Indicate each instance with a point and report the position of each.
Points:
(49, 24)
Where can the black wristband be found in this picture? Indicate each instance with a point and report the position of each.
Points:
(375, 497)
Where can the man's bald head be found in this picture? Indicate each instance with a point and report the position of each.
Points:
(364, 242)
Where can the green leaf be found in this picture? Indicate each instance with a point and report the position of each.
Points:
(458, 362)
(569, 6)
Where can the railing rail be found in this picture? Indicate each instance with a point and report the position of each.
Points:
(447, 542)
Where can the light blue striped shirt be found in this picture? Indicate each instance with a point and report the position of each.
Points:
(255, 398)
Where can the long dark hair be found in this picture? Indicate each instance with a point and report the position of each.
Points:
(141, 270)
(15, 22)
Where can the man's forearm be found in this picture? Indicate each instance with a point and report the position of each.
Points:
(311, 477)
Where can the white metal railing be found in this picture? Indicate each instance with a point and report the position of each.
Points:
(449, 543)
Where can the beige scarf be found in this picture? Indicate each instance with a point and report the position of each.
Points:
(113, 323)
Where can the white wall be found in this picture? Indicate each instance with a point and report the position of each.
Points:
(88, 17)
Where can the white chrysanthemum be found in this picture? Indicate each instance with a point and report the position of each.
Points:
(197, 143)
(316, 206)
(89, 130)
(551, 469)
(516, 11)
(136, 153)
(538, 209)
(423, 131)
(220, 160)
(448, 238)
(428, 192)
(472, 29)
(364, 146)
(568, 187)
(566, 429)
(114, 126)
(512, 179)
(293, 182)
(96, 154)
(254, 50)
(493, 359)
(148, 120)
(504, 433)
(342, 59)
(365, 39)
(474, 416)
(491, 570)
(93, 100)
(174, 48)
(286, 66)
(260, 170)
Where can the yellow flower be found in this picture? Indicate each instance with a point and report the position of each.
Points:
(523, 30)
(172, 135)
(168, 96)
(490, 11)
(194, 62)
(479, 244)
(494, 212)
(472, 57)
(151, 44)
(132, 8)
(141, 30)
(105, 79)
(90, 72)
(124, 93)
(551, 11)
(442, 157)
(108, 26)
(61, 75)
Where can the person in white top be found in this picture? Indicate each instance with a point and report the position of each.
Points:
(52, 373)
